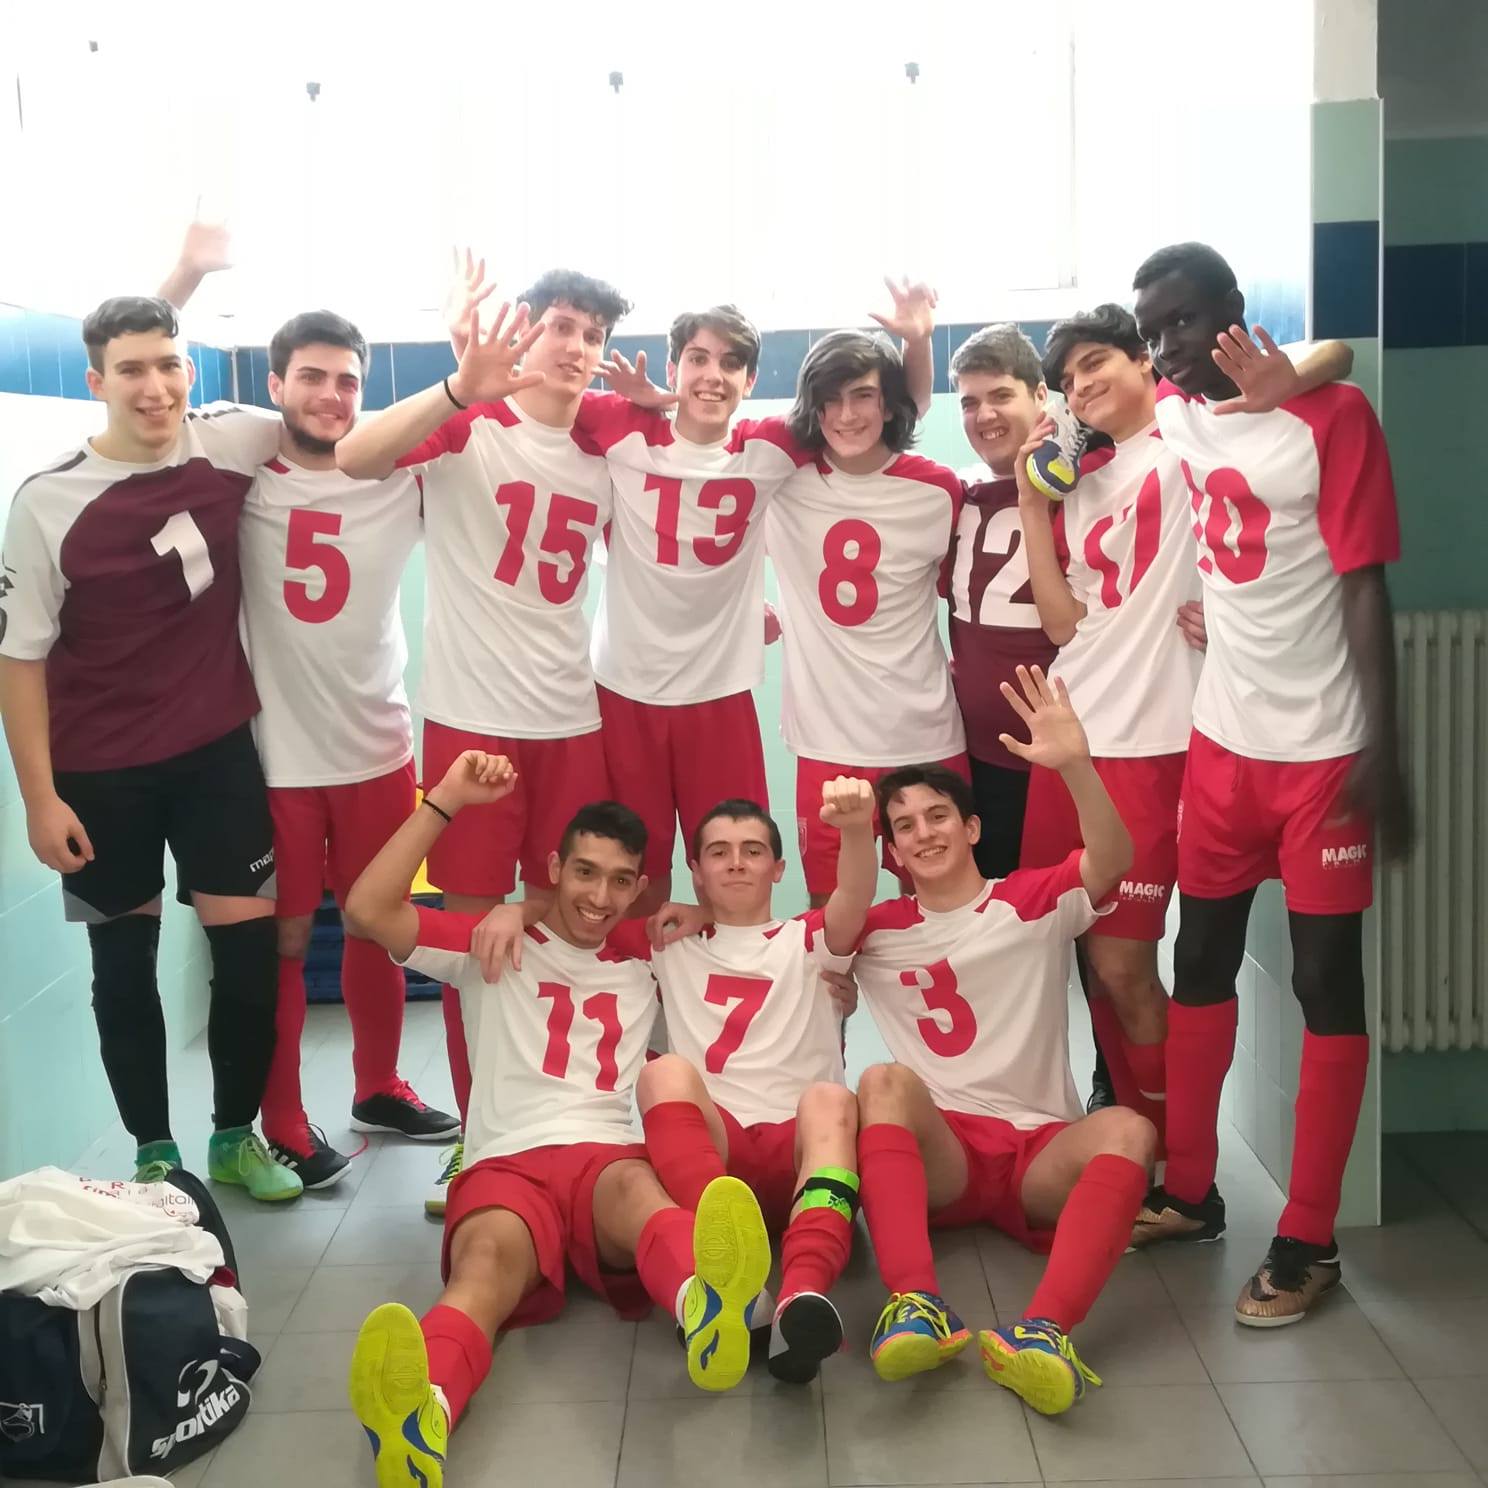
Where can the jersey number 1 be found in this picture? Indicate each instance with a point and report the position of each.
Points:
(603, 1008)
(183, 537)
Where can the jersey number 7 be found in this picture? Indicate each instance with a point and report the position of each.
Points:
(749, 993)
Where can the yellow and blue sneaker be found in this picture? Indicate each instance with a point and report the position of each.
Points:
(916, 1331)
(1038, 1363)
(1054, 467)
(731, 1253)
(402, 1413)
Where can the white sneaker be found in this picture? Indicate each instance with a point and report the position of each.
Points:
(454, 1161)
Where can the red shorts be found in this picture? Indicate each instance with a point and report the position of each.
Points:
(1145, 792)
(763, 1156)
(998, 1154)
(677, 763)
(324, 835)
(819, 841)
(1242, 821)
(478, 852)
(551, 1190)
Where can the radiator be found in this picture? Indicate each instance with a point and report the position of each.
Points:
(1433, 909)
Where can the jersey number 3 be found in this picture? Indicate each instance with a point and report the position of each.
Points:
(936, 983)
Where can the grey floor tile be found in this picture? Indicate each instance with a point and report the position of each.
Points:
(1013, 1273)
(584, 1356)
(385, 1234)
(304, 1372)
(1250, 1482)
(1139, 1346)
(897, 1434)
(272, 1293)
(499, 1445)
(399, 1174)
(1336, 1342)
(1380, 1480)
(1199, 1275)
(1440, 1256)
(1355, 1426)
(283, 1238)
(1118, 1432)
(1461, 1405)
(1433, 1336)
(338, 1298)
(728, 1441)
(325, 1448)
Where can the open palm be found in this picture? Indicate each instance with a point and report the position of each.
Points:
(1056, 735)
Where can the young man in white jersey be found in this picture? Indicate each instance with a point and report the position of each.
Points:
(127, 701)
(558, 1178)
(1293, 765)
(858, 539)
(513, 501)
(977, 1121)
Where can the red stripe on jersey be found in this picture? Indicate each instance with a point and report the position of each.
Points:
(277, 466)
(1166, 389)
(1092, 460)
(773, 430)
(605, 419)
(627, 942)
(454, 433)
(893, 914)
(444, 930)
(928, 473)
(536, 933)
(1036, 892)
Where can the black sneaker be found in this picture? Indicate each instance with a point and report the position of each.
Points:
(807, 1329)
(1163, 1217)
(401, 1112)
(1293, 1278)
(320, 1167)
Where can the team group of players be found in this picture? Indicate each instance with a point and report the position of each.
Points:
(570, 762)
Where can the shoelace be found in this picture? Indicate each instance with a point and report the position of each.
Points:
(1065, 1346)
(252, 1150)
(1288, 1265)
(904, 1307)
(403, 1091)
(453, 1163)
(287, 1157)
(155, 1172)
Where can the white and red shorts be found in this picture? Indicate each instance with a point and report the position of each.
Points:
(1145, 792)
(479, 852)
(819, 841)
(677, 763)
(551, 1190)
(763, 1157)
(1242, 821)
(998, 1155)
(324, 835)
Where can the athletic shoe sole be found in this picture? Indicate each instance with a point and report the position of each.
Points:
(1041, 1380)
(374, 1128)
(811, 1331)
(1286, 1319)
(731, 1256)
(388, 1385)
(907, 1354)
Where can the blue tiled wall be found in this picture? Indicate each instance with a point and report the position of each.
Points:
(44, 355)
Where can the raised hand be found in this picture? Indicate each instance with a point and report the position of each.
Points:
(913, 316)
(467, 289)
(488, 369)
(1264, 374)
(631, 382)
(206, 247)
(1056, 735)
(57, 836)
(475, 779)
(847, 803)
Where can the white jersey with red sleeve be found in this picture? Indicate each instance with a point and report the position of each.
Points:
(322, 558)
(511, 511)
(975, 1000)
(1282, 504)
(1130, 560)
(747, 1008)
(681, 617)
(858, 558)
(555, 1048)
(124, 579)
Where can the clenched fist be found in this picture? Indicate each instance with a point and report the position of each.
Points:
(847, 803)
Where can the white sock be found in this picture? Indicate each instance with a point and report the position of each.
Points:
(440, 1397)
(681, 1302)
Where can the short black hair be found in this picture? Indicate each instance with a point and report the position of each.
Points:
(605, 819)
(126, 315)
(727, 322)
(316, 328)
(1200, 264)
(841, 357)
(736, 808)
(569, 287)
(1106, 325)
(943, 780)
(1002, 349)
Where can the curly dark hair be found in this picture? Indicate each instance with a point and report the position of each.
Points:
(569, 287)
(1106, 325)
(836, 360)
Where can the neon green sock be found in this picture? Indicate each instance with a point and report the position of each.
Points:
(228, 1138)
(158, 1152)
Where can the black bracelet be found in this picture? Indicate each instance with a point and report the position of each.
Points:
(438, 809)
(462, 407)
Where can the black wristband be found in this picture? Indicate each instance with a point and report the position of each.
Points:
(462, 407)
(439, 810)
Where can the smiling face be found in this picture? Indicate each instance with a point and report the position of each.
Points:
(997, 412)
(569, 350)
(711, 378)
(320, 395)
(596, 884)
(929, 837)
(736, 869)
(1180, 322)
(1108, 389)
(145, 379)
(852, 422)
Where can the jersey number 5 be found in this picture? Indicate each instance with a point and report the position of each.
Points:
(936, 983)
(604, 1009)
(302, 551)
(561, 537)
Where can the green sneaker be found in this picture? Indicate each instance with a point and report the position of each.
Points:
(238, 1156)
(153, 1160)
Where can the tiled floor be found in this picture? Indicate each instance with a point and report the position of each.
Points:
(1389, 1380)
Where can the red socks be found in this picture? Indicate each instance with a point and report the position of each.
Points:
(373, 989)
(1148, 1064)
(664, 1256)
(1093, 1232)
(1112, 1043)
(459, 1051)
(1200, 1049)
(681, 1150)
(459, 1355)
(1330, 1090)
(814, 1251)
(896, 1204)
(284, 1118)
